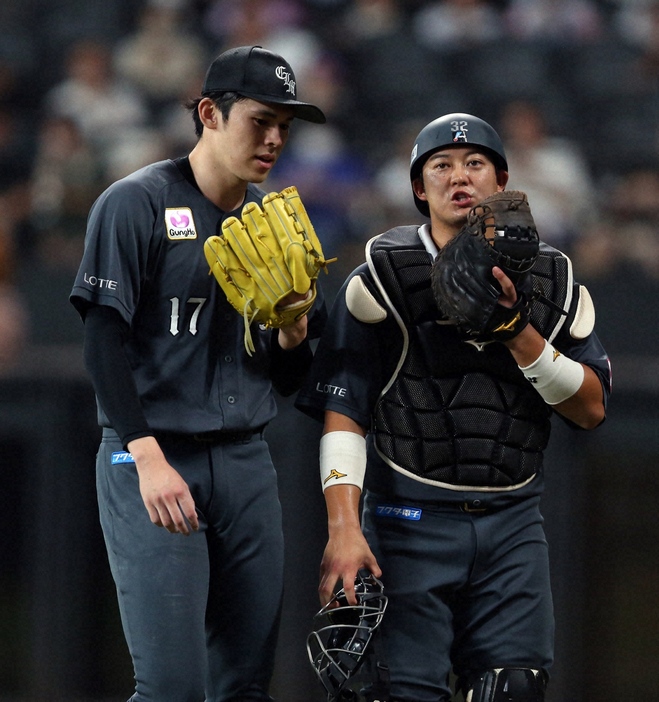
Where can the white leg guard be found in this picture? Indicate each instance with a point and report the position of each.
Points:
(508, 685)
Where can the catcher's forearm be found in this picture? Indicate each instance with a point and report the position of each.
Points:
(342, 503)
(586, 407)
(342, 452)
(342, 459)
(527, 346)
(570, 387)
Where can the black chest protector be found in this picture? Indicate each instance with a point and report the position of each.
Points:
(456, 414)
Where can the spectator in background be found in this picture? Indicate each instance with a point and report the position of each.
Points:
(618, 259)
(551, 170)
(14, 323)
(392, 177)
(367, 19)
(457, 24)
(162, 57)
(625, 238)
(638, 25)
(16, 159)
(16, 150)
(635, 21)
(13, 327)
(66, 179)
(17, 96)
(174, 120)
(139, 147)
(103, 106)
(334, 181)
(277, 25)
(554, 21)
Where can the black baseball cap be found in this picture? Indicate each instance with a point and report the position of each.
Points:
(259, 74)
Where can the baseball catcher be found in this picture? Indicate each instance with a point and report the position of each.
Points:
(267, 262)
(500, 231)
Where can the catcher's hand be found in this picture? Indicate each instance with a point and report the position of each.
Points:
(500, 231)
(266, 259)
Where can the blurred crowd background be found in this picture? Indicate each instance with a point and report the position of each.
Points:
(91, 90)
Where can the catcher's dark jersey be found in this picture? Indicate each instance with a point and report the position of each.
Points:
(144, 258)
(425, 372)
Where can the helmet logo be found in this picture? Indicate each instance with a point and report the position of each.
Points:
(459, 129)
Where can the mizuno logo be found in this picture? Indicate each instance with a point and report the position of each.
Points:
(509, 326)
(335, 474)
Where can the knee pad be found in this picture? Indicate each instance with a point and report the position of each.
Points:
(507, 685)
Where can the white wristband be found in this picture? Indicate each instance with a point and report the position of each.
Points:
(555, 376)
(342, 459)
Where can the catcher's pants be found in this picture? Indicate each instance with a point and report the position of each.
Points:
(466, 589)
(200, 613)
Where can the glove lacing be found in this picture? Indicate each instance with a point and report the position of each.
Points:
(247, 320)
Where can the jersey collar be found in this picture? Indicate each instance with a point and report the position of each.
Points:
(427, 240)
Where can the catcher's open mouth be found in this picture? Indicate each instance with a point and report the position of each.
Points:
(461, 197)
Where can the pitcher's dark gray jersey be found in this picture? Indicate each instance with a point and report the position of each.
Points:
(144, 257)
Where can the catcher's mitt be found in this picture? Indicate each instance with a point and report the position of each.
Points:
(500, 231)
(267, 254)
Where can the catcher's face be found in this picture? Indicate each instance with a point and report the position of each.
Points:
(452, 181)
(249, 143)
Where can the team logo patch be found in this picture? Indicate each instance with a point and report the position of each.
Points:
(122, 457)
(398, 512)
(180, 223)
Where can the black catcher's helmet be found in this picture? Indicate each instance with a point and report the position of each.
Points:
(341, 635)
(453, 129)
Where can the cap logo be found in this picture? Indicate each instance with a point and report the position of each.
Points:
(459, 129)
(284, 75)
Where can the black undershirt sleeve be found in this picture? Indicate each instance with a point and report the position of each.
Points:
(111, 374)
(289, 368)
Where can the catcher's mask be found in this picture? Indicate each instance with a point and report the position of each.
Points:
(342, 633)
(450, 130)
